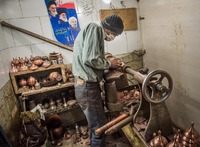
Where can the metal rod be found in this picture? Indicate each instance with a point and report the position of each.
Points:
(5, 24)
(119, 125)
(110, 124)
(137, 75)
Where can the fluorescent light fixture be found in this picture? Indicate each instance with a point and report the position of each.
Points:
(107, 1)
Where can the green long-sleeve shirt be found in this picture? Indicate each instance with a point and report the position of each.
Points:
(89, 62)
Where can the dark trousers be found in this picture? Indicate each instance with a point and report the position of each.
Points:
(88, 95)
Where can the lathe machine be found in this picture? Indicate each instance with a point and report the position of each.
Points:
(152, 114)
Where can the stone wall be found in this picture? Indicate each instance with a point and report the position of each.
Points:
(9, 113)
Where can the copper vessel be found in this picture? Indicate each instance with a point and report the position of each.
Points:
(23, 68)
(53, 121)
(31, 81)
(174, 143)
(158, 140)
(37, 57)
(16, 62)
(33, 67)
(179, 136)
(58, 132)
(21, 62)
(190, 137)
(31, 58)
(13, 68)
(55, 76)
(53, 56)
(22, 82)
(26, 60)
(38, 61)
(45, 58)
(46, 63)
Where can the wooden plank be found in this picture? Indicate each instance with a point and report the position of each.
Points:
(37, 70)
(128, 16)
(47, 89)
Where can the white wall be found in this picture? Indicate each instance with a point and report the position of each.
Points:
(4, 58)
(32, 15)
(171, 37)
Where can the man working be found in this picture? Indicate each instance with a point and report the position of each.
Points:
(88, 66)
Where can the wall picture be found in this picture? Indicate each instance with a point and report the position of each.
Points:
(64, 20)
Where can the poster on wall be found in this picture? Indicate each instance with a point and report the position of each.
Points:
(64, 20)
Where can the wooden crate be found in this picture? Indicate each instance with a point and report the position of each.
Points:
(39, 73)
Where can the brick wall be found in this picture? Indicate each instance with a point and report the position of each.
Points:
(9, 113)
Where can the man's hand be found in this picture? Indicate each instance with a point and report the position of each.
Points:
(115, 63)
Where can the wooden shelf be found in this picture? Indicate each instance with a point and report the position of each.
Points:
(47, 89)
(37, 70)
(40, 72)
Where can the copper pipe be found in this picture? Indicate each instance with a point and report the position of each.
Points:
(5, 24)
(119, 125)
(110, 124)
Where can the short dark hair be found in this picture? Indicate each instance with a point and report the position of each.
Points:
(60, 11)
(51, 3)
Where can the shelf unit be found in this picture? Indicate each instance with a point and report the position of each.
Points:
(48, 89)
(40, 72)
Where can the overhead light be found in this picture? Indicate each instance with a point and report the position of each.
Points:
(107, 1)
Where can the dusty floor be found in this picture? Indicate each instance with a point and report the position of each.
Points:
(115, 140)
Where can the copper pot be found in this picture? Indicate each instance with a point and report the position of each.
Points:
(31, 81)
(53, 56)
(53, 121)
(58, 132)
(45, 58)
(33, 67)
(46, 63)
(13, 68)
(55, 76)
(38, 62)
(22, 82)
